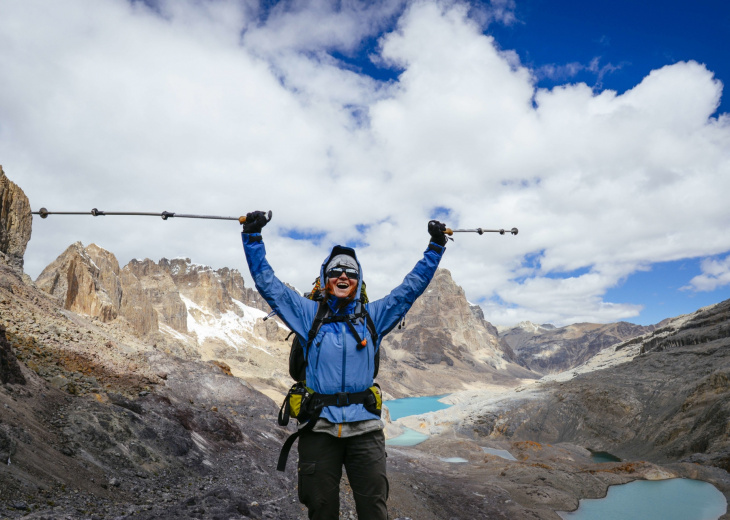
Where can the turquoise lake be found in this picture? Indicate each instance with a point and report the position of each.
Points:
(675, 499)
(407, 438)
(414, 406)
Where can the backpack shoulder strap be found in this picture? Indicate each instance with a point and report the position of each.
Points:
(370, 325)
(322, 312)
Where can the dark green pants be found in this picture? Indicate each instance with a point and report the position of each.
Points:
(321, 457)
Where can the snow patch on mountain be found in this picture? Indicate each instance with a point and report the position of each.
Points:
(229, 327)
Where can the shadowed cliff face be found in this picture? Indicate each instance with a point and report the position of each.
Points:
(16, 222)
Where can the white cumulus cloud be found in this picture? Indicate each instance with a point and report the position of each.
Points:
(221, 107)
(715, 273)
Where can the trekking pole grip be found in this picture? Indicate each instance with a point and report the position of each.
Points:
(242, 219)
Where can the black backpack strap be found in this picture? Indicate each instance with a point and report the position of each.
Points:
(361, 312)
(343, 398)
(361, 343)
(322, 311)
(319, 318)
(286, 448)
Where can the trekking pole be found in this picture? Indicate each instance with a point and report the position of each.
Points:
(43, 212)
(481, 231)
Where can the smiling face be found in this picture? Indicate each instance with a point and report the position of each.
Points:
(342, 286)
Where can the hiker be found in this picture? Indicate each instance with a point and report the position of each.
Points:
(341, 362)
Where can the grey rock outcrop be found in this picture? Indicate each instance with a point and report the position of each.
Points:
(16, 222)
(159, 288)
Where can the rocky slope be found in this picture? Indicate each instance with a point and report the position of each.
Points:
(546, 349)
(669, 403)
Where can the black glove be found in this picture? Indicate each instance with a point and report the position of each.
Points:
(436, 230)
(255, 221)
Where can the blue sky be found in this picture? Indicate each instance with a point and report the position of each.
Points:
(599, 129)
(627, 39)
(662, 290)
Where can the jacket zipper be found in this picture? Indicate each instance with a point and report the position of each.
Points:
(343, 330)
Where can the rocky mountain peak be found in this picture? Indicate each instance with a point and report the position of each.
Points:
(534, 328)
(16, 222)
(445, 333)
(88, 280)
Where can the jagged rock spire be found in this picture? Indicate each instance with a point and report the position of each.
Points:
(15, 222)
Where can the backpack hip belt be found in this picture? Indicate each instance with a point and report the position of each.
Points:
(306, 405)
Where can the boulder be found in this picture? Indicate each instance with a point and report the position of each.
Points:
(16, 222)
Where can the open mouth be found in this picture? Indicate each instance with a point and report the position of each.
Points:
(343, 285)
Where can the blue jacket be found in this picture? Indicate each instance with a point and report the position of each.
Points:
(335, 364)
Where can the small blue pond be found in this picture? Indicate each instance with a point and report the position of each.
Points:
(407, 438)
(414, 406)
(400, 408)
(604, 456)
(499, 453)
(675, 499)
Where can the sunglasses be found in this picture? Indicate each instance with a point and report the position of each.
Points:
(336, 272)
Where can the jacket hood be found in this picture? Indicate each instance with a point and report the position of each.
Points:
(342, 250)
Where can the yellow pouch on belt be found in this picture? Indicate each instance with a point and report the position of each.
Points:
(296, 404)
(375, 406)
